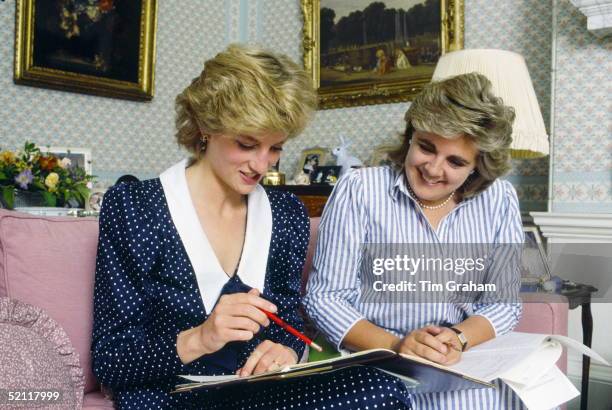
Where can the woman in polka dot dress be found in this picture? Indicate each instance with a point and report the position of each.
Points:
(177, 252)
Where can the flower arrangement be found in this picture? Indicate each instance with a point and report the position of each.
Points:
(58, 181)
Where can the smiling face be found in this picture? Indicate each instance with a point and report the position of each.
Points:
(436, 166)
(239, 162)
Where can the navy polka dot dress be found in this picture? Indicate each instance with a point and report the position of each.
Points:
(146, 293)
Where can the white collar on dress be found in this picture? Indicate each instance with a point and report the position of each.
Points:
(209, 274)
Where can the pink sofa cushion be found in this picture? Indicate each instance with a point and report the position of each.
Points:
(49, 262)
(98, 401)
(314, 233)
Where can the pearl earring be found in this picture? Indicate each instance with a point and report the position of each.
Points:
(204, 141)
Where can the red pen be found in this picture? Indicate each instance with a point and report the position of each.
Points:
(291, 330)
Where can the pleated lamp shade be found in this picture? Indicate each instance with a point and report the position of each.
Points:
(508, 73)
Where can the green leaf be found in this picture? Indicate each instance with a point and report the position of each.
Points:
(39, 185)
(3, 175)
(8, 196)
(83, 191)
(49, 198)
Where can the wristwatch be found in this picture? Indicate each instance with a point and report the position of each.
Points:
(461, 337)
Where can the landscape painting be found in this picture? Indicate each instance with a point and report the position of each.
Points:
(366, 46)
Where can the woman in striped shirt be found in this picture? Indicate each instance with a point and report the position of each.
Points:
(443, 189)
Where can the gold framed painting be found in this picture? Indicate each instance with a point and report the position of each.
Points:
(102, 47)
(362, 52)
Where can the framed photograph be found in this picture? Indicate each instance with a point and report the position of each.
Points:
(326, 175)
(310, 159)
(102, 47)
(380, 155)
(362, 52)
(79, 157)
(94, 203)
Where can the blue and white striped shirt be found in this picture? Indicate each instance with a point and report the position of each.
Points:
(374, 206)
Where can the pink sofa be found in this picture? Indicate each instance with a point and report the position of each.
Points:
(49, 262)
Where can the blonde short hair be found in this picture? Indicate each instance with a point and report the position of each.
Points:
(464, 105)
(244, 90)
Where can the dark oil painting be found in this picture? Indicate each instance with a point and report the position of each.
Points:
(91, 37)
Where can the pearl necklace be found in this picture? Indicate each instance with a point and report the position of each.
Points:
(430, 207)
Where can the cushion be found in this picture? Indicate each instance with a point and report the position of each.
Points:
(37, 354)
(314, 234)
(49, 262)
(97, 400)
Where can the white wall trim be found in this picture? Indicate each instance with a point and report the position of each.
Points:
(598, 373)
(599, 15)
(559, 226)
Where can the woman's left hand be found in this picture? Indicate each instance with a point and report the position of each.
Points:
(450, 339)
(266, 357)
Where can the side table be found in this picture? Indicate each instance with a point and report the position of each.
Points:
(579, 294)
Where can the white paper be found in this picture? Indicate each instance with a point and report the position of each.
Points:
(552, 390)
(489, 360)
(208, 379)
(533, 367)
(579, 347)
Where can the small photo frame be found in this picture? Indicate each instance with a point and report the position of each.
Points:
(310, 159)
(380, 155)
(79, 157)
(327, 175)
(94, 203)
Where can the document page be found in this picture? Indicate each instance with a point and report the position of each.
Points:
(552, 390)
(491, 359)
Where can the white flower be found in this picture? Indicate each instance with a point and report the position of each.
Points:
(65, 163)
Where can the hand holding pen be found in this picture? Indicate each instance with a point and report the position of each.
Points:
(236, 317)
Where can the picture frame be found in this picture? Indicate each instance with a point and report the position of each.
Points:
(310, 159)
(103, 47)
(325, 175)
(94, 202)
(349, 69)
(535, 268)
(78, 156)
(380, 155)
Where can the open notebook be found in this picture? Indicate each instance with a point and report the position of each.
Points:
(525, 361)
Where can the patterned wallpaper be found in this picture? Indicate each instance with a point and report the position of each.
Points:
(124, 136)
(582, 174)
(130, 137)
(522, 26)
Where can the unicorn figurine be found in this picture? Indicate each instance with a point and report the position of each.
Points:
(344, 158)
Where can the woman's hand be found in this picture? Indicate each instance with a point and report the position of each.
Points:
(236, 317)
(266, 357)
(450, 339)
(424, 342)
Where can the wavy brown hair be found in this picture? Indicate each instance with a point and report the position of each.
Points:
(464, 105)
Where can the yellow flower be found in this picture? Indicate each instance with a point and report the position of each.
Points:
(7, 157)
(51, 181)
(21, 165)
